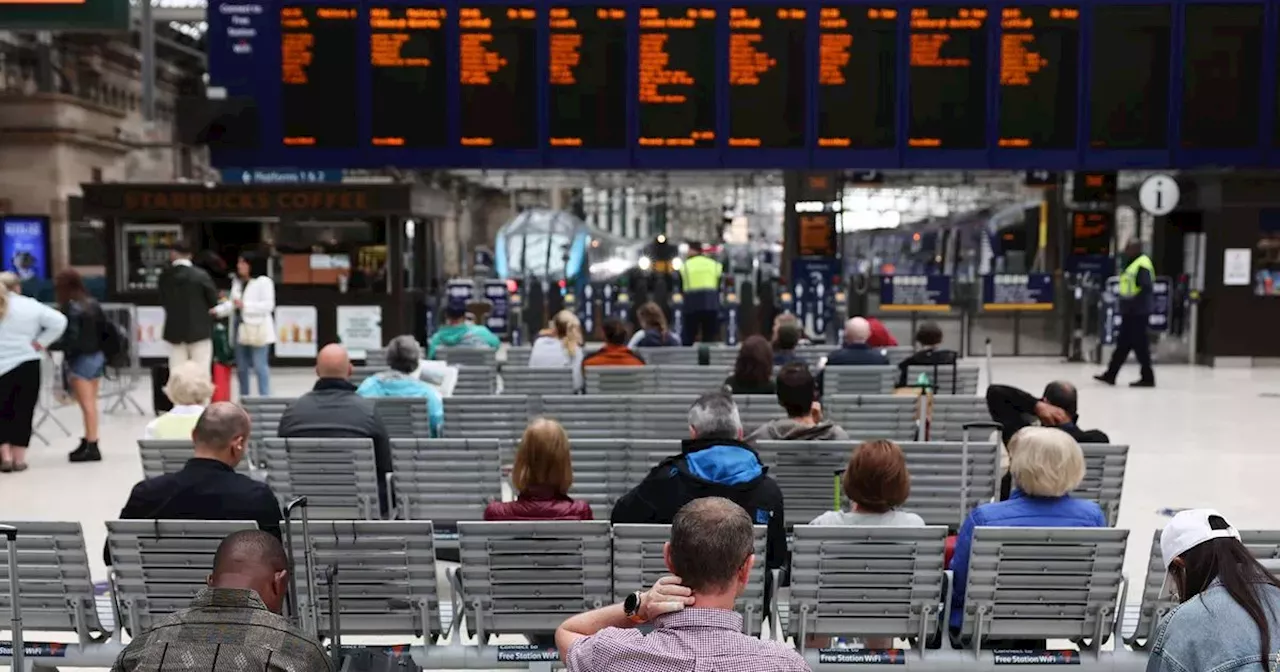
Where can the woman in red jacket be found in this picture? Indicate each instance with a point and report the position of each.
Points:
(542, 475)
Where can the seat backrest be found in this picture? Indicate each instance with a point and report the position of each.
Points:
(338, 476)
(264, 414)
(688, 380)
(866, 581)
(806, 473)
(161, 564)
(683, 355)
(859, 379)
(359, 373)
(385, 574)
(376, 358)
(1043, 582)
(476, 380)
(56, 591)
(720, 356)
(757, 409)
(949, 479)
(517, 355)
(950, 412)
(600, 475)
(446, 480)
(897, 353)
(965, 378)
(526, 380)
(657, 416)
(161, 457)
(405, 418)
(528, 577)
(1104, 466)
(484, 357)
(501, 417)
(873, 416)
(638, 561)
(620, 379)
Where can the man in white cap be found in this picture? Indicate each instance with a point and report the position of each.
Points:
(1229, 612)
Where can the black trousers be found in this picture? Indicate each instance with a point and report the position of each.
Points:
(19, 393)
(1132, 338)
(705, 321)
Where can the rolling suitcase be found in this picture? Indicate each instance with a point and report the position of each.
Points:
(11, 550)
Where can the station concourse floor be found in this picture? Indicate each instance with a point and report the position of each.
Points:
(1198, 440)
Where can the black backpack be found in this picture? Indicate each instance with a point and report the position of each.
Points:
(114, 342)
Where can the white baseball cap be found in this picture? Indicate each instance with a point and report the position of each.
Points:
(1189, 529)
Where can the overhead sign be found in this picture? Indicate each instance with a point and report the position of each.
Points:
(280, 176)
(1159, 195)
(1093, 187)
(915, 292)
(64, 15)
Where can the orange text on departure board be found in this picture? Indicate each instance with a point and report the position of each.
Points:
(297, 50)
(477, 62)
(1020, 57)
(747, 58)
(834, 43)
(929, 38)
(659, 83)
(392, 29)
(566, 53)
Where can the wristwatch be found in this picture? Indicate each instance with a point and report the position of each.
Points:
(631, 606)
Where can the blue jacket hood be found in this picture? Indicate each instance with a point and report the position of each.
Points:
(722, 461)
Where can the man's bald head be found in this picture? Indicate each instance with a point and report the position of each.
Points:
(857, 330)
(221, 432)
(253, 560)
(333, 362)
(1062, 394)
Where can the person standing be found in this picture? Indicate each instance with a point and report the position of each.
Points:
(253, 301)
(188, 296)
(84, 362)
(27, 328)
(700, 279)
(1136, 302)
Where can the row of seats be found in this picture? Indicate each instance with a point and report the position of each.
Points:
(718, 354)
(451, 480)
(648, 416)
(525, 578)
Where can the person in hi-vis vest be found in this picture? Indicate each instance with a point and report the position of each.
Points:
(1136, 300)
(700, 280)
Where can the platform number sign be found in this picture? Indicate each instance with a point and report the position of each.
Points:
(1159, 195)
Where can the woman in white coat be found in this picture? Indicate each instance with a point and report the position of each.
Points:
(253, 300)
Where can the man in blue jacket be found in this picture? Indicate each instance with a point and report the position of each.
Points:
(855, 351)
(715, 462)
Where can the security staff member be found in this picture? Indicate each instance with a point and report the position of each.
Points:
(700, 276)
(1136, 300)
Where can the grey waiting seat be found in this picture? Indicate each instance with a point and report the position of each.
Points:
(614, 380)
(359, 373)
(446, 480)
(376, 358)
(1104, 467)
(516, 355)
(606, 469)
(756, 409)
(638, 563)
(866, 581)
(404, 418)
(264, 414)
(660, 356)
(487, 417)
(1262, 544)
(689, 380)
(338, 476)
(1043, 583)
(951, 412)
(592, 416)
(518, 578)
(459, 356)
(964, 381)
(844, 380)
(897, 353)
(873, 416)
(161, 457)
(805, 471)
(56, 591)
(949, 479)
(385, 571)
(160, 565)
(529, 380)
(719, 356)
(476, 380)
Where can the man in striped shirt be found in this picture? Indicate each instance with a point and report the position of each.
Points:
(694, 624)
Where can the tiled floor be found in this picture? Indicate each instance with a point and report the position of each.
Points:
(1200, 439)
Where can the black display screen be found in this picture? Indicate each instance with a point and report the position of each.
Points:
(1039, 75)
(948, 77)
(587, 94)
(1129, 84)
(318, 73)
(497, 68)
(1221, 76)
(407, 56)
(1091, 233)
(857, 77)
(767, 76)
(677, 64)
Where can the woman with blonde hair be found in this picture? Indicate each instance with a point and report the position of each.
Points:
(27, 328)
(1046, 464)
(541, 477)
(559, 346)
(190, 388)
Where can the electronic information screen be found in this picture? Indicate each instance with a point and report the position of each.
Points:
(1129, 85)
(1039, 75)
(677, 76)
(497, 70)
(318, 74)
(1221, 76)
(767, 76)
(407, 56)
(857, 77)
(948, 85)
(587, 94)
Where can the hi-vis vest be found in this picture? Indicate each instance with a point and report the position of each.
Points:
(700, 273)
(1129, 279)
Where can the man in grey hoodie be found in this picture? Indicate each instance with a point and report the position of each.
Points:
(798, 396)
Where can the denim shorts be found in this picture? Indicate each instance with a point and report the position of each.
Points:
(87, 367)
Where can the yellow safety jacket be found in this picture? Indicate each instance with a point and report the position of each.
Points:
(1129, 278)
(700, 276)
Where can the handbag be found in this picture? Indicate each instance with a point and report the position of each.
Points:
(253, 335)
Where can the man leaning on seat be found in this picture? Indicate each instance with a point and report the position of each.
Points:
(694, 625)
(235, 623)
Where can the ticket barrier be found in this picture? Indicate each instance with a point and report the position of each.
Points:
(677, 313)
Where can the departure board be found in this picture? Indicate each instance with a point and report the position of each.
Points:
(857, 77)
(318, 73)
(767, 90)
(1221, 76)
(1039, 73)
(677, 87)
(587, 95)
(497, 70)
(948, 77)
(1091, 233)
(1129, 82)
(409, 76)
